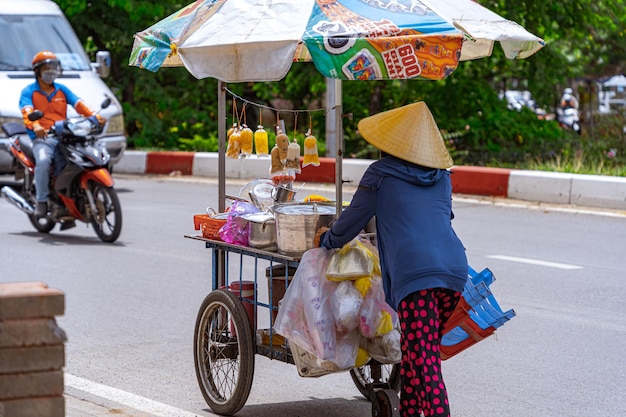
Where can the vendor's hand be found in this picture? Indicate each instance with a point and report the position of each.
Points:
(318, 235)
(40, 132)
(101, 119)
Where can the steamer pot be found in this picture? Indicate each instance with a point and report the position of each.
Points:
(297, 223)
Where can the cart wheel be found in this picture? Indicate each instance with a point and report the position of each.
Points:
(223, 352)
(386, 403)
(378, 374)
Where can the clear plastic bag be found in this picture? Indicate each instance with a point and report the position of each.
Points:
(354, 260)
(331, 319)
(305, 315)
(376, 317)
(385, 348)
(346, 303)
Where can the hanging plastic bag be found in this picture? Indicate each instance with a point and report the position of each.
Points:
(293, 157)
(354, 260)
(261, 147)
(305, 316)
(234, 145)
(245, 141)
(385, 348)
(311, 157)
(346, 303)
(376, 317)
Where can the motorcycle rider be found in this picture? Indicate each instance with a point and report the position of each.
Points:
(52, 99)
(568, 100)
(568, 115)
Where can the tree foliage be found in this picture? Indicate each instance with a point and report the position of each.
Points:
(585, 39)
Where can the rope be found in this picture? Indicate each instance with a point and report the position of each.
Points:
(269, 107)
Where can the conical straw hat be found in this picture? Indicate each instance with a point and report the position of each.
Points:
(409, 133)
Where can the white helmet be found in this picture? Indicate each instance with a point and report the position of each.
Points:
(568, 91)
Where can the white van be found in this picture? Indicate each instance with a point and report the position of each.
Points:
(30, 26)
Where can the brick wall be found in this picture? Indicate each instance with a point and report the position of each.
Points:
(32, 350)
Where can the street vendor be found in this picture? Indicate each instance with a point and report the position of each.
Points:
(423, 262)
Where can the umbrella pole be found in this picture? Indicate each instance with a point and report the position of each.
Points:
(220, 254)
(221, 147)
(337, 104)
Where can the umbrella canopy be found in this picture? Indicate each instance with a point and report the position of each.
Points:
(258, 40)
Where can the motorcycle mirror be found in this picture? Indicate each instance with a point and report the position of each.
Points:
(35, 115)
(106, 103)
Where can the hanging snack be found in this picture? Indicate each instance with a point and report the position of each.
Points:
(277, 164)
(293, 156)
(278, 172)
(234, 147)
(245, 141)
(231, 130)
(261, 146)
(282, 142)
(311, 157)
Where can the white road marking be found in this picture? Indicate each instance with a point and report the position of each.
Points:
(154, 408)
(535, 262)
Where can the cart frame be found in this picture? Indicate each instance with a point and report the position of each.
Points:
(224, 342)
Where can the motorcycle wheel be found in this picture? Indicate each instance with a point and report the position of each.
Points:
(43, 225)
(107, 220)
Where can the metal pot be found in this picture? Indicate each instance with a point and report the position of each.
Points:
(261, 231)
(297, 223)
(283, 194)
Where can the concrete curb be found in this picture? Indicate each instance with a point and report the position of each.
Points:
(548, 187)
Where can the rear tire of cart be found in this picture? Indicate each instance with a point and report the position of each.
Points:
(224, 352)
(376, 373)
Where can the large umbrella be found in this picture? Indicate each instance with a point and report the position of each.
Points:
(258, 40)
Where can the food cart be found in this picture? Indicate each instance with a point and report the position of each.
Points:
(226, 335)
(347, 40)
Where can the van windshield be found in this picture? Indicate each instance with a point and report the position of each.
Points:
(25, 35)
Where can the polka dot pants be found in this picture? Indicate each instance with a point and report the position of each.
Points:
(422, 317)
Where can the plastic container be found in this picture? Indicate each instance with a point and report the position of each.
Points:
(247, 290)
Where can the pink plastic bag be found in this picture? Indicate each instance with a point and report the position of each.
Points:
(235, 230)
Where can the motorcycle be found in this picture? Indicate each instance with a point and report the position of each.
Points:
(83, 189)
(569, 119)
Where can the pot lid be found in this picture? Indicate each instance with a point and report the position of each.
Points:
(304, 208)
(260, 217)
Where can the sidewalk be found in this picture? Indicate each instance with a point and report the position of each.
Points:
(537, 186)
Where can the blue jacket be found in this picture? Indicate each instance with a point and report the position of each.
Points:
(413, 207)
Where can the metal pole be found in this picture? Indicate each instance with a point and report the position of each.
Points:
(221, 145)
(219, 254)
(331, 145)
(339, 146)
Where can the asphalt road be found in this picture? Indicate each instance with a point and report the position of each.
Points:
(131, 309)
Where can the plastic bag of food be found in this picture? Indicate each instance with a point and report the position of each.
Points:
(235, 230)
(376, 317)
(261, 147)
(385, 348)
(234, 144)
(354, 260)
(346, 303)
(245, 141)
(305, 315)
(311, 157)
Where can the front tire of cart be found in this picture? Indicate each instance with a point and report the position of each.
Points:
(224, 352)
